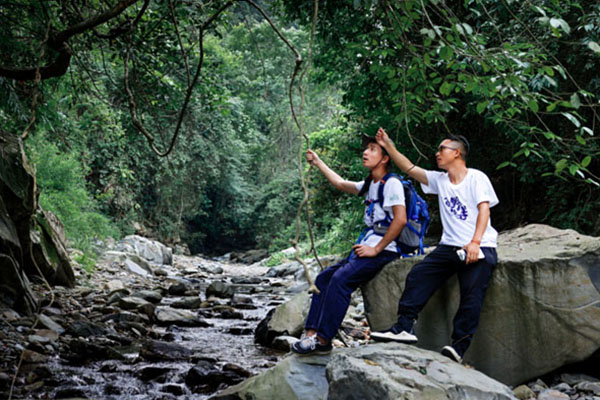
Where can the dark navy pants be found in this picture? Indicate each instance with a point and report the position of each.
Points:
(428, 275)
(336, 284)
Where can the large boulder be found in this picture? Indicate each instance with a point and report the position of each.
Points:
(286, 319)
(49, 250)
(540, 312)
(148, 249)
(374, 372)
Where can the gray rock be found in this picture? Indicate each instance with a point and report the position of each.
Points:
(149, 295)
(589, 387)
(211, 268)
(168, 316)
(135, 268)
(189, 303)
(178, 289)
(284, 343)
(250, 256)
(50, 324)
(219, 289)
(392, 371)
(155, 350)
(137, 304)
(547, 280)
(382, 371)
(286, 320)
(293, 378)
(574, 379)
(151, 250)
(551, 394)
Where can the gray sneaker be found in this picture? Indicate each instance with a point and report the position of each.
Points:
(311, 345)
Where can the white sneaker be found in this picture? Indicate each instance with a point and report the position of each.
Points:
(452, 354)
(389, 336)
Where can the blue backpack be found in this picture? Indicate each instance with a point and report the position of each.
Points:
(417, 214)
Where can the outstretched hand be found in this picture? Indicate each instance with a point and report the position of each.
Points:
(383, 139)
(311, 157)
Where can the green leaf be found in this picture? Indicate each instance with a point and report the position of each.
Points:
(533, 105)
(481, 106)
(594, 46)
(580, 140)
(446, 52)
(575, 101)
(446, 88)
(572, 118)
(552, 106)
(504, 164)
(573, 169)
(550, 80)
(560, 165)
(586, 161)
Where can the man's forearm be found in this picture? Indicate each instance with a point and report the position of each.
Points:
(392, 233)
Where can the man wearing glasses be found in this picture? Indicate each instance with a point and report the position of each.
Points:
(467, 246)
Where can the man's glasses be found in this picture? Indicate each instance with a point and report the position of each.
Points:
(442, 147)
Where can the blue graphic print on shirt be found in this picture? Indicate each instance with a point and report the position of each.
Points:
(456, 207)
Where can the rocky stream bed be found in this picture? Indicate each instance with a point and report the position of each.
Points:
(178, 328)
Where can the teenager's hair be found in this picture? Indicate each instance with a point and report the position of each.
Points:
(465, 146)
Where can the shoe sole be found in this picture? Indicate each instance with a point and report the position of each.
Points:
(451, 354)
(381, 338)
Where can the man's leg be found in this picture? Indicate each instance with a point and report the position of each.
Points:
(421, 282)
(316, 303)
(343, 282)
(473, 280)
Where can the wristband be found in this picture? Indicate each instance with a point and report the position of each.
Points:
(409, 169)
(476, 241)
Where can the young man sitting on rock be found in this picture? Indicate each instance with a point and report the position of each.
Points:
(371, 253)
(467, 247)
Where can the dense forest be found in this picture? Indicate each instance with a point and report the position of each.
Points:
(173, 119)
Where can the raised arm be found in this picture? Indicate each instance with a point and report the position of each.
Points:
(400, 159)
(337, 181)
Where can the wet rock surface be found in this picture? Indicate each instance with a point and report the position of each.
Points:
(129, 332)
(119, 334)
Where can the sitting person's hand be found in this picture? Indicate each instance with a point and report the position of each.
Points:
(362, 250)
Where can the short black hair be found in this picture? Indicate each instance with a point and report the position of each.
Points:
(463, 140)
(366, 140)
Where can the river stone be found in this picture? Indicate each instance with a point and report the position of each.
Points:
(85, 329)
(393, 371)
(50, 324)
(219, 289)
(138, 304)
(149, 295)
(250, 256)
(551, 394)
(547, 281)
(155, 350)
(523, 392)
(168, 315)
(135, 268)
(292, 378)
(151, 250)
(286, 320)
(188, 303)
(589, 387)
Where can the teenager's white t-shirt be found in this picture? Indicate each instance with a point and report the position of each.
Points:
(393, 195)
(458, 206)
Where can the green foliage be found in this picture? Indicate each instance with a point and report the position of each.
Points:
(61, 182)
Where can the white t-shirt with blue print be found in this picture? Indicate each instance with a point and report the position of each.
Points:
(458, 206)
(393, 195)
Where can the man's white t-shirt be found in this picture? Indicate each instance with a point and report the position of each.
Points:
(393, 195)
(458, 206)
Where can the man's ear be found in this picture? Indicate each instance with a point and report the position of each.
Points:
(388, 159)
